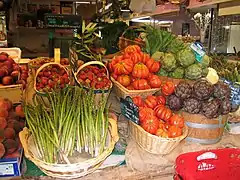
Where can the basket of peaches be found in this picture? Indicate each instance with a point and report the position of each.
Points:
(133, 73)
(158, 125)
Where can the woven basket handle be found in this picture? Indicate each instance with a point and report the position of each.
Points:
(91, 63)
(130, 27)
(23, 136)
(114, 129)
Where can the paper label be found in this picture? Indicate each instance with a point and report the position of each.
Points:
(198, 50)
(6, 169)
(129, 109)
(235, 91)
(57, 55)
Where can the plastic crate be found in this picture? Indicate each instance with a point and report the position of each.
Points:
(219, 164)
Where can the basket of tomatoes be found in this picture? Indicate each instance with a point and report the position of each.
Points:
(159, 129)
(94, 75)
(132, 73)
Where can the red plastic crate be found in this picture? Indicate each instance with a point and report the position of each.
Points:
(219, 164)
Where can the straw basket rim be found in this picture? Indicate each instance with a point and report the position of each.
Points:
(158, 138)
(31, 65)
(133, 91)
(24, 136)
(41, 68)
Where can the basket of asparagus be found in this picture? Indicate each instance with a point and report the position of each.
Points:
(72, 136)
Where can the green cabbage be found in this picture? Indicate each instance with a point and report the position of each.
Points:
(186, 57)
(177, 73)
(169, 62)
(193, 72)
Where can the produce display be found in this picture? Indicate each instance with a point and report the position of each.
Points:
(177, 59)
(11, 123)
(73, 121)
(135, 69)
(202, 98)
(158, 119)
(43, 60)
(94, 77)
(226, 69)
(52, 77)
(10, 72)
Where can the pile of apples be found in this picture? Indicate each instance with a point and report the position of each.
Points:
(11, 72)
(135, 69)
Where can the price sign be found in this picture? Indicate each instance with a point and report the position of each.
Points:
(63, 21)
(197, 48)
(235, 91)
(129, 109)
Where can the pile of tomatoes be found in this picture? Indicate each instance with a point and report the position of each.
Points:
(135, 69)
(156, 118)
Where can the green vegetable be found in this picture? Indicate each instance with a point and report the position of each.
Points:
(186, 57)
(177, 73)
(205, 72)
(205, 61)
(72, 120)
(193, 72)
(158, 56)
(168, 62)
(162, 72)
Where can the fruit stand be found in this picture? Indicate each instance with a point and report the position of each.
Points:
(138, 114)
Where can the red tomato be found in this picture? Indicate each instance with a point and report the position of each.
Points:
(150, 124)
(130, 87)
(140, 71)
(114, 61)
(145, 58)
(168, 88)
(161, 100)
(155, 81)
(136, 57)
(163, 112)
(162, 132)
(144, 112)
(177, 121)
(138, 101)
(151, 101)
(153, 65)
(115, 76)
(124, 80)
(141, 84)
(123, 67)
(132, 49)
(174, 132)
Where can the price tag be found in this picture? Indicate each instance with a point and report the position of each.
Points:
(198, 50)
(235, 91)
(129, 109)
(57, 55)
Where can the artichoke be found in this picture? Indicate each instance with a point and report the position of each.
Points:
(205, 61)
(177, 73)
(186, 57)
(205, 72)
(174, 103)
(193, 72)
(168, 62)
(162, 72)
(158, 56)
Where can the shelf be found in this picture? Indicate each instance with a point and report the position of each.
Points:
(194, 4)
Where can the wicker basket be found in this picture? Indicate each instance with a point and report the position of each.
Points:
(67, 171)
(124, 42)
(203, 130)
(97, 92)
(122, 92)
(41, 68)
(154, 144)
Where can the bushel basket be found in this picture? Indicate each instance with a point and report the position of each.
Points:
(154, 144)
(99, 93)
(68, 171)
(123, 92)
(203, 130)
(124, 42)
